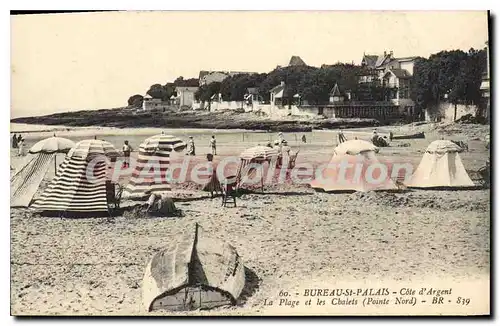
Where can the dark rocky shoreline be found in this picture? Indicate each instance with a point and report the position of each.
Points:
(127, 118)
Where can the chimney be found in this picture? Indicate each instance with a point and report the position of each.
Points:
(391, 54)
(385, 53)
(282, 83)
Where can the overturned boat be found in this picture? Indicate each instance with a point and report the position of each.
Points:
(197, 272)
(419, 135)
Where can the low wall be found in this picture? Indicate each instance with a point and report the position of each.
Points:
(446, 112)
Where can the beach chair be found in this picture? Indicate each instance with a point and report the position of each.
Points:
(114, 194)
(229, 192)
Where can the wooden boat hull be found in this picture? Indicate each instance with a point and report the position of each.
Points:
(419, 135)
(194, 272)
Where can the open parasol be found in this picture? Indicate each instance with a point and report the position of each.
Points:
(52, 145)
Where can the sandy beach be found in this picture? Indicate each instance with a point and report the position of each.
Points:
(286, 236)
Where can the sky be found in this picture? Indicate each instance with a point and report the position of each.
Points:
(66, 62)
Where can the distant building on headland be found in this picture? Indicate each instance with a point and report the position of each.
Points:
(295, 60)
(185, 95)
(150, 103)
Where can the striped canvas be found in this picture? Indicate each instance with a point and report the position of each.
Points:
(261, 152)
(72, 190)
(150, 173)
(25, 183)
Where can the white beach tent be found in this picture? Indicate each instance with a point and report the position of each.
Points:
(26, 180)
(441, 167)
(355, 153)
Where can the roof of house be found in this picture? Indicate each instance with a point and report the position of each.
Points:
(203, 73)
(277, 89)
(252, 90)
(335, 90)
(399, 73)
(406, 58)
(295, 60)
(377, 60)
(186, 88)
(370, 60)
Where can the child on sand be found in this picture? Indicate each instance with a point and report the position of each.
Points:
(213, 145)
(126, 153)
(191, 148)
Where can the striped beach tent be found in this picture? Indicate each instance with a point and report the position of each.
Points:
(80, 185)
(153, 160)
(27, 179)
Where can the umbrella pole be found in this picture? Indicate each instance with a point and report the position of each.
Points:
(55, 164)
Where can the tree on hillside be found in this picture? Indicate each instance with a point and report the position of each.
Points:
(135, 100)
(169, 90)
(235, 87)
(453, 76)
(191, 82)
(157, 91)
(205, 92)
(292, 76)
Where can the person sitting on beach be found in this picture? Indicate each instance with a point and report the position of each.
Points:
(159, 205)
(213, 145)
(126, 153)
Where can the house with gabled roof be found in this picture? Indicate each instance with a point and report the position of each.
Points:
(391, 72)
(335, 95)
(277, 94)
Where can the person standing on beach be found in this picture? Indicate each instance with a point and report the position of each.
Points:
(304, 140)
(191, 147)
(126, 153)
(14, 141)
(21, 147)
(213, 145)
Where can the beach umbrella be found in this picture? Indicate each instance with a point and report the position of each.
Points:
(261, 152)
(90, 148)
(355, 147)
(162, 142)
(52, 145)
(154, 149)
